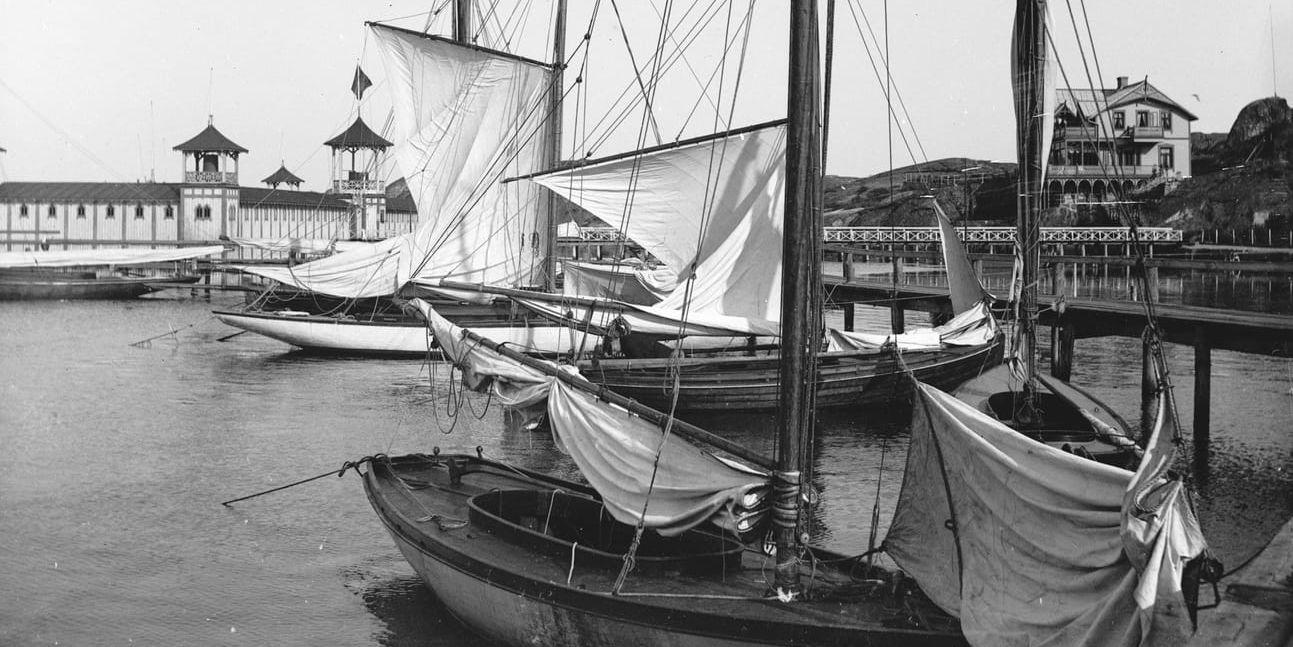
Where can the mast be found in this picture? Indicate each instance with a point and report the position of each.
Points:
(798, 321)
(554, 134)
(1028, 67)
(462, 21)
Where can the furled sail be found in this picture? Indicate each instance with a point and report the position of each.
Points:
(1033, 85)
(622, 282)
(974, 327)
(465, 117)
(615, 450)
(1028, 544)
(711, 209)
(86, 257)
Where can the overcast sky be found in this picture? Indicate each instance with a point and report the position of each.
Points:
(93, 90)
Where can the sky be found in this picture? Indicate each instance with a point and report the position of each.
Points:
(101, 91)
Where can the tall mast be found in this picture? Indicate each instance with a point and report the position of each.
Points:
(462, 21)
(798, 319)
(554, 134)
(1028, 68)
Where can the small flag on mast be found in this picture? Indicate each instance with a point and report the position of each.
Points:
(361, 83)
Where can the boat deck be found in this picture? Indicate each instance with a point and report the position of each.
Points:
(425, 508)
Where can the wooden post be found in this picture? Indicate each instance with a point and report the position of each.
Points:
(1151, 284)
(897, 316)
(848, 316)
(1202, 395)
(848, 276)
(1062, 332)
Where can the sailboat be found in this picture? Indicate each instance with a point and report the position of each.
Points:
(710, 209)
(95, 273)
(1046, 409)
(465, 117)
(660, 547)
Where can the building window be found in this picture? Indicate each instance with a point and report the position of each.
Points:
(169, 214)
(203, 212)
(112, 212)
(1166, 118)
(1166, 158)
(22, 211)
(139, 212)
(1119, 120)
(232, 212)
(1142, 118)
(52, 212)
(1128, 158)
(80, 212)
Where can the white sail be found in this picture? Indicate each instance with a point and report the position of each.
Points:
(614, 449)
(464, 119)
(88, 257)
(710, 209)
(1028, 544)
(622, 282)
(962, 282)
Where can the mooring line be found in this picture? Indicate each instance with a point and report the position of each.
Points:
(340, 472)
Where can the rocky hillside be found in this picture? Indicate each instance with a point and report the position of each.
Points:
(1242, 179)
(898, 198)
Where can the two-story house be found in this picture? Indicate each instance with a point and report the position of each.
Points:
(1110, 143)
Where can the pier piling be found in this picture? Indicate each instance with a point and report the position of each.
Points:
(1202, 397)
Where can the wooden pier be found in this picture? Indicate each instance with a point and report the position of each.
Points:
(1070, 319)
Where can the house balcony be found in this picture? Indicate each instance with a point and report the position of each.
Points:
(210, 177)
(1087, 134)
(1056, 171)
(358, 186)
(1147, 132)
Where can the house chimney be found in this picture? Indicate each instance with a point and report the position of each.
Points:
(1122, 83)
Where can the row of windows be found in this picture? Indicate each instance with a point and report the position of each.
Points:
(1144, 119)
(111, 212)
(1077, 156)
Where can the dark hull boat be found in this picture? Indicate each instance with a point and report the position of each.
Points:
(1063, 416)
(18, 285)
(844, 378)
(529, 559)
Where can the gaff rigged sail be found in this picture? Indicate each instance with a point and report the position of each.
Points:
(711, 209)
(465, 118)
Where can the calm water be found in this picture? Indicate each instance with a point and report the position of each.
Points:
(117, 457)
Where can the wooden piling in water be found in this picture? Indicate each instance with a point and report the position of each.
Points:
(1202, 394)
(849, 313)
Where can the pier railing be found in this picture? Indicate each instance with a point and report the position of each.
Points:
(1005, 235)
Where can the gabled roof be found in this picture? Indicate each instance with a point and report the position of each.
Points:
(210, 140)
(282, 176)
(252, 197)
(358, 135)
(89, 192)
(1089, 103)
(1143, 91)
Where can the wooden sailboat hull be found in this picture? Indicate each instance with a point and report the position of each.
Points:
(390, 338)
(15, 287)
(751, 383)
(1066, 421)
(518, 594)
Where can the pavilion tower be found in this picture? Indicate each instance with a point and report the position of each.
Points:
(356, 177)
(282, 176)
(209, 190)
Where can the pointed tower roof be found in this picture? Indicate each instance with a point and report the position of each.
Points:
(358, 135)
(282, 176)
(210, 139)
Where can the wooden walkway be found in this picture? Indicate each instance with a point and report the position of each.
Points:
(1247, 332)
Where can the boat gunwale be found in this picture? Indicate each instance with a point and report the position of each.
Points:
(633, 609)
